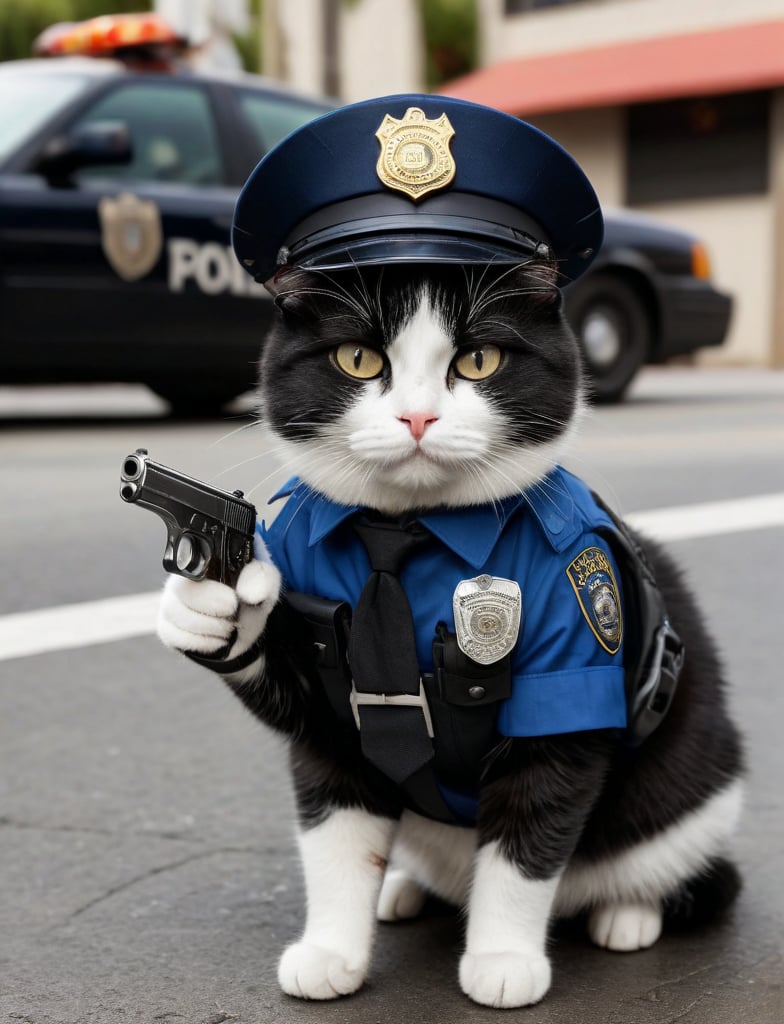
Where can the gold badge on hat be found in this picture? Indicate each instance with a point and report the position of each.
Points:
(415, 156)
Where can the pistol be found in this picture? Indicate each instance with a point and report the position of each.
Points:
(209, 531)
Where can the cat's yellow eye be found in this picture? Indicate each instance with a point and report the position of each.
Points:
(358, 361)
(478, 363)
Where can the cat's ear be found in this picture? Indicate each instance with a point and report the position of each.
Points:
(543, 278)
(290, 305)
(289, 290)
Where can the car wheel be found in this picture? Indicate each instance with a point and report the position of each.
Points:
(195, 400)
(614, 330)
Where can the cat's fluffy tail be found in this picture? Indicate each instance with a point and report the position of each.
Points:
(703, 897)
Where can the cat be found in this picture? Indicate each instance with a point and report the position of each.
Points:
(404, 389)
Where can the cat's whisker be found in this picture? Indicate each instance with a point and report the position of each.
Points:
(546, 488)
(243, 462)
(527, 341)
(539, 275)
(302, 421)
(340, 290)
(233, 433)
(363, 287)
(300, 505)
(284, 448)
(337, 294)
(478, 298)
(481, 491)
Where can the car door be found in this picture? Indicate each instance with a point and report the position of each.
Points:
(126, 274)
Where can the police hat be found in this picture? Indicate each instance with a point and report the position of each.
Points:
(415, 179)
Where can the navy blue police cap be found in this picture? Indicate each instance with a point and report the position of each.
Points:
(416, 179)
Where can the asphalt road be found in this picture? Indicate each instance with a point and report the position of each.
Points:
(148, 870)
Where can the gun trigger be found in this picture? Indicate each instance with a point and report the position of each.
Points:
(169, 563)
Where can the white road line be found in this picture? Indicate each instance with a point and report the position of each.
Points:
(118, 618)
(77, 625)
(710, 518)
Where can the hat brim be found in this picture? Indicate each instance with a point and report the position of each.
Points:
(402, 248)
(454, 229)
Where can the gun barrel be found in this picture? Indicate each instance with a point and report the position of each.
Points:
(132, 468)
(132, 474)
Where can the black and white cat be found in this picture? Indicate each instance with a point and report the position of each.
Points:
(403, 389)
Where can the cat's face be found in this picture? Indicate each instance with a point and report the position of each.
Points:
(409, 389)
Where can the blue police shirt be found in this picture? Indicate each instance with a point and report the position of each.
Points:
(567, 675)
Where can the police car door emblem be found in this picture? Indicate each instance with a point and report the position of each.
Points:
(592, 577)
(415, 156)
(487, 613)
(131, 234)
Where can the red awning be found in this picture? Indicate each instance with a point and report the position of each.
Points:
(734, 59)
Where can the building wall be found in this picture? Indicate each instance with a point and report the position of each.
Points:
(381, 54)
(579, 26)
(378, 54)
(776, 267)
(738, 231)
(300, 33)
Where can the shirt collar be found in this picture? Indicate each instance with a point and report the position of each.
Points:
(471, 532)
(325, 515)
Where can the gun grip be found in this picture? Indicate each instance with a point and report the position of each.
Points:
(187, 554)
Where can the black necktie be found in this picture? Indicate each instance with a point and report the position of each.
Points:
(383, 658)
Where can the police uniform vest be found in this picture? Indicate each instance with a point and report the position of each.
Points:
(593, 650)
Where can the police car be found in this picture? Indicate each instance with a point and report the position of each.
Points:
(119, 171)
(646, 298)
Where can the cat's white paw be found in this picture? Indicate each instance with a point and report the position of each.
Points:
(505, 980)
(205, 616)
(258, 584)
(310, 972)
(196, 616)
(258, 589)
(625, 927)
(401, 897)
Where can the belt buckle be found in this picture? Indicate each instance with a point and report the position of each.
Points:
(358, 698)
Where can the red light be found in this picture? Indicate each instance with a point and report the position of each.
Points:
(106, 36)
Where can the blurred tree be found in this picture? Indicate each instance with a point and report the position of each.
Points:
(451, 30)
(22, 20)
(249, 44)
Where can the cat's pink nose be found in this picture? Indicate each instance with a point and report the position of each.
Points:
(418, 422)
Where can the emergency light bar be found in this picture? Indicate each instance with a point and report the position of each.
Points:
(107, 36)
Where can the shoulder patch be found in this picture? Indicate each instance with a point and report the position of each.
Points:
(592, 577)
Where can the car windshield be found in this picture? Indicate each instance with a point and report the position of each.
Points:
(28, 100)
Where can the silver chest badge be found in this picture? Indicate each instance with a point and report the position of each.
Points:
(487, 617)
